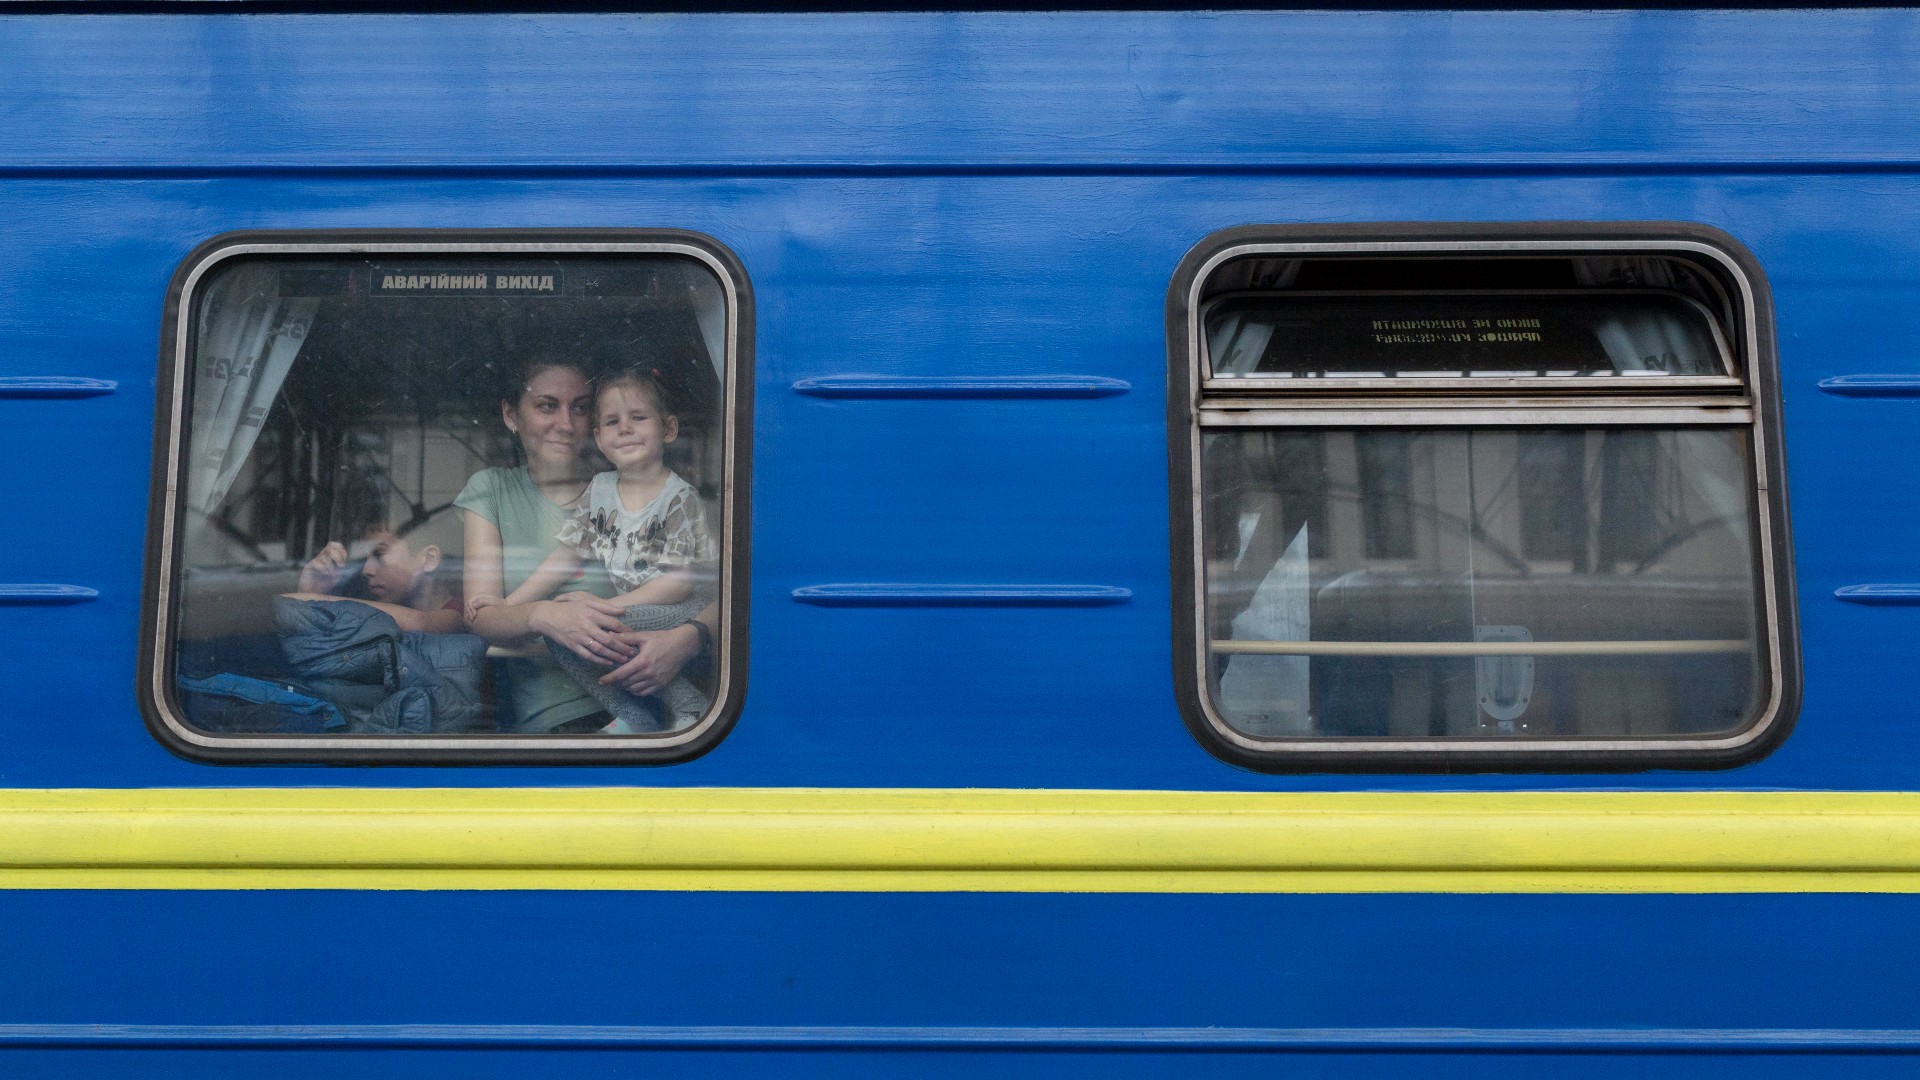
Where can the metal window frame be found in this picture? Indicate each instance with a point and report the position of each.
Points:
(1197, 403)
(157, 685)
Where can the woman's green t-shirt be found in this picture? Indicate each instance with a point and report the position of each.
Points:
(543, 696)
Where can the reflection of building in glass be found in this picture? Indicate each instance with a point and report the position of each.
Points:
(368, 407)
(338, 407)
(1447, 499)
(1465, 531)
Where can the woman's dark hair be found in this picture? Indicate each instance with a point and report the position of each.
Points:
(524, 372)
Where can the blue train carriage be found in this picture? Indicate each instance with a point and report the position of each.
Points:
(1003, 543)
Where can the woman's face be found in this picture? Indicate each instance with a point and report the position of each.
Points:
(552, 417)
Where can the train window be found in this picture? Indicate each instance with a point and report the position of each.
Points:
(450, 498)
(1505, 499)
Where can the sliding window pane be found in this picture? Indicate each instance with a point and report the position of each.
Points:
(1495, 583)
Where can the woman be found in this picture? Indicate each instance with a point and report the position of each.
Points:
(513, 517)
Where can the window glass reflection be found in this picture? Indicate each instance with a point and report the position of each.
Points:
(452, 495)
(1625, 335)
(1480, 582)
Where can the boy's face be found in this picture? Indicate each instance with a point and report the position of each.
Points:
(392, 568)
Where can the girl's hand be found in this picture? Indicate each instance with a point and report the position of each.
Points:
(576, 597)
(591, 628)
(476, 603)
(325, 571)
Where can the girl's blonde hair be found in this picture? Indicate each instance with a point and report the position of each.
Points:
(639, 378)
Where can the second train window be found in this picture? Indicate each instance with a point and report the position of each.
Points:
(1511, 506)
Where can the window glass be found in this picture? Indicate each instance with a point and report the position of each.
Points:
(430, 494)
(1505, 494)
(1483, 334)
(1481, 582)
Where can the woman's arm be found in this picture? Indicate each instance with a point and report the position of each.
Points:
(428, 622)
(590, 629)
(554, 571)
(484, 575)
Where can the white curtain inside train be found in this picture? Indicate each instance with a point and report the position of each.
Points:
(248, 338)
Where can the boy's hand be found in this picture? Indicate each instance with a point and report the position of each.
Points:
(476, 603)
(577, 596)
(325, 571)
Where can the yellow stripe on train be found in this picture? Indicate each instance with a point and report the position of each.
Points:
(900, 840)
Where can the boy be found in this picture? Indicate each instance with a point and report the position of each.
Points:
(408, 585)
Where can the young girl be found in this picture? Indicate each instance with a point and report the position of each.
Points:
(648, 527)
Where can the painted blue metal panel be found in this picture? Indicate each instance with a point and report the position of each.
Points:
(957, 201)
(53, 386)
(37, 594)
(1487, 90)
(333, 1064)
(952, 276)
(1285, 981)
(925, 595)
(1872, 385)
(1881, 595)
(960, 386)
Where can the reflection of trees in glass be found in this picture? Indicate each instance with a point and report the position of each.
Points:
(1458, 535)
(1279, 476)
(1386, 492)
(379, 371)
(1614, 501)
(1553, 496)
(1642, 502)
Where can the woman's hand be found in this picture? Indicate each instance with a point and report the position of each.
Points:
(591, 628)
(325, 571)
(658, 656)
